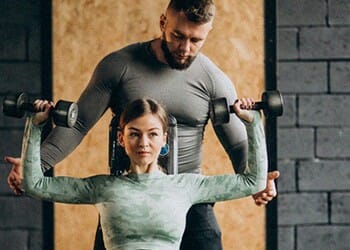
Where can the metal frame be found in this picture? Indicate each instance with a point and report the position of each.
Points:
(271, 123)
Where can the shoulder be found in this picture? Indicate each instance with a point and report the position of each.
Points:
(125, 52)
(114, 64)
(219, 83)
(206, 63)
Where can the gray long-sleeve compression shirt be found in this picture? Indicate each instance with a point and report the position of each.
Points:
(133, 72)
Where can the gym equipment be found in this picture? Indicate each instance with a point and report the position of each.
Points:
(271, 103)
(64, 113)
(172, 163)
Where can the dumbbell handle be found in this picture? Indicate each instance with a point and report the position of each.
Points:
(255, 106)
(28, 107)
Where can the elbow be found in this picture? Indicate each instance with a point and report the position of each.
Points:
(260, 186)
(256, 185)
(27, 187)
(256, 189)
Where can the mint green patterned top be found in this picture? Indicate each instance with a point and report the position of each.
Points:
(145, 211)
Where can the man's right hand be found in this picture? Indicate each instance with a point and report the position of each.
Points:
(14, 177)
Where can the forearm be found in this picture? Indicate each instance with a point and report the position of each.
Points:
(257, 153)
(30, 157)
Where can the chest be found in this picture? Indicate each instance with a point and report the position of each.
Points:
(185, 95)
(145, 209)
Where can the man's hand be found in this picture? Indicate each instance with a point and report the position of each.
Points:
(263, 197)
(14, 177)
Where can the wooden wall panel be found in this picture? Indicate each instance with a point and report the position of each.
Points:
(86, 30)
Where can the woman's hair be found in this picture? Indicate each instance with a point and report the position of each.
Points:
(141, 107)
(198, 11)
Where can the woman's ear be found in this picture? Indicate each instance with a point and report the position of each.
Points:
(120, 138)
(162, 22)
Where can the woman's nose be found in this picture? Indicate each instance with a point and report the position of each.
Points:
(144, 141)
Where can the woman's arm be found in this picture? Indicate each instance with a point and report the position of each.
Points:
(56, 189)
(253, 180)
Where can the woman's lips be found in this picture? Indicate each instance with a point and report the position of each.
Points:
(143, 153)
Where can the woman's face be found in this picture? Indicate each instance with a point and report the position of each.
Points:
(142, 139)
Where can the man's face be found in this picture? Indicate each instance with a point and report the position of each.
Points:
(182, 39)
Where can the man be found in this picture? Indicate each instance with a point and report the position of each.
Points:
(172, 70)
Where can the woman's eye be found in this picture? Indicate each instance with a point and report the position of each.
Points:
(133, 134)
(153, 134)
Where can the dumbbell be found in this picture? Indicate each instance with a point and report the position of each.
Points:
(271, 103)
(64, 113)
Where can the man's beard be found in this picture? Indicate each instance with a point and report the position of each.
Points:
(173, 63)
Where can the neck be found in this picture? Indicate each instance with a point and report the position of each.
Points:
(146, 169)
(156, 50)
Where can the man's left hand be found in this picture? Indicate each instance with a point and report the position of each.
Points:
(270, 192)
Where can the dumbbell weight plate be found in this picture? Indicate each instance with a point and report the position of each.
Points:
(65, 113)
(273, 99)
(12, 105)
(219, 111)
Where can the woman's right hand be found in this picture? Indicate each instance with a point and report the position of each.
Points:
(242, 108)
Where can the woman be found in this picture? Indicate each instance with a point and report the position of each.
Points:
(145, 208)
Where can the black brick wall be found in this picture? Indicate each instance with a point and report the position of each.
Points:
(313, 51)
(21, 223)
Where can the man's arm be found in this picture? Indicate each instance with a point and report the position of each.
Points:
(93, 102)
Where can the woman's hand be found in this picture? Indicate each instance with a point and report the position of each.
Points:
(242, 109)
(42, 108)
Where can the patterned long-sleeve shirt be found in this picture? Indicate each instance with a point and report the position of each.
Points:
(145, 211)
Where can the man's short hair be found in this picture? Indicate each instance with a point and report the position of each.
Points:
(198, 11)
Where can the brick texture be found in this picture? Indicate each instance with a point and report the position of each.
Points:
(323, 175)
(296, 77)
(286, 238)
(323, 237)
(295, 143)
(21, 222)
(304, 12)
(340, 208)
(325, 43)
(302, 208)
(313, 136)
(339, 77)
